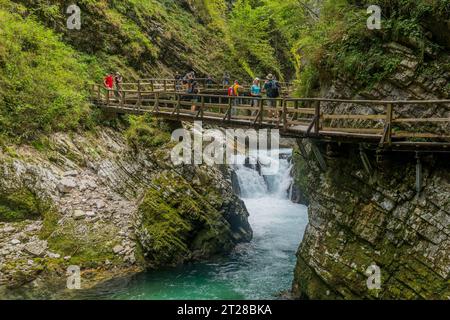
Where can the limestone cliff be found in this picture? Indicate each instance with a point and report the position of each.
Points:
(358, 218)
(96, 201)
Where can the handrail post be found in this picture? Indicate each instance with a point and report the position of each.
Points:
(139, 95)
(156, 106)
(285, 124)
(261, 111)
(152, 85)
(122, 95)
(317, 118)
(202, 107)
(107, 96)
(165, 85)
(389, 114)
(178, 104)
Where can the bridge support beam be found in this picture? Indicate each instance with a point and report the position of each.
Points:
(303, 152)
(419, 174)
(318, 155)
(365, 160)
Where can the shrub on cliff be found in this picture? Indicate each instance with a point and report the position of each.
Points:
(42, 81)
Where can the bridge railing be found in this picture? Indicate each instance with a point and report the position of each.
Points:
(384, 122)
(178, 86)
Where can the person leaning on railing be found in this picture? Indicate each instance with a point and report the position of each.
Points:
(209, 82)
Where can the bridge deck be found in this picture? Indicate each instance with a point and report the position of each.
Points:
(375, 123)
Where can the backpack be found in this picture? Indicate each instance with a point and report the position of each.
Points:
(273, 90)
(231, 91)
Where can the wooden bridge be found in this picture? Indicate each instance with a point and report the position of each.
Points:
(376, 124)
(173, 85)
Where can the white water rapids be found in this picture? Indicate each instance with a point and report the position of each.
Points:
(261, 269)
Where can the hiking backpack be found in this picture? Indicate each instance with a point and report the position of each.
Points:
(273, 90)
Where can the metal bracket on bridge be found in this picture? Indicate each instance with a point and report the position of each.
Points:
(319, 157)
(303, 152)
(419, 174)
(365, 160)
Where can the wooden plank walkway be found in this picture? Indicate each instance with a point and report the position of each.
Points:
(294, 117)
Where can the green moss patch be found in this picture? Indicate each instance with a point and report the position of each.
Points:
(86, 246)
(179, 224)
(20, 205)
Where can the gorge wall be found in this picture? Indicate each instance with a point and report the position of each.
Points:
(110, 206)
(359, 218)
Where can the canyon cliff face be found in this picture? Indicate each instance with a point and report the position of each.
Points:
(96, 201)
(359, 218)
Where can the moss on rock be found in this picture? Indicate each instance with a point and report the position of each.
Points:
(20, 204)
(179, 224)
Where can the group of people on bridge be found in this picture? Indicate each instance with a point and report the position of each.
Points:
(271, 87)
(189, 84)
(113, 81)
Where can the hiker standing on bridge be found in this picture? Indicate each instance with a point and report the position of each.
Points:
(193, 89)
(209, 82)
(226, 79)
(272, 88)
(108, 82)
(255, 91)
(187, 81)
(234, 91)
(118, 79)
(178, 81)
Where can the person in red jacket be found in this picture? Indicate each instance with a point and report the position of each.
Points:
(109, 82)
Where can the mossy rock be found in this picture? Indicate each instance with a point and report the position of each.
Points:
(20, 204)
(179, 224)
(87, 247)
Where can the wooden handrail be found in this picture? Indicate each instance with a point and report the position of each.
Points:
(294, 116)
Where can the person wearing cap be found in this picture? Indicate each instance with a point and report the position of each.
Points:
(272, 88)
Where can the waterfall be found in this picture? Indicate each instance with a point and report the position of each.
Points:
(260, 269)
(255, 185)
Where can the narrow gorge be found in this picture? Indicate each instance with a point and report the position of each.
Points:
(359, 100)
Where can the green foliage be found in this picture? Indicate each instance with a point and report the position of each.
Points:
(250, 31)
(42, 83)
(338, 42)
(301, 173)
(147, 132)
